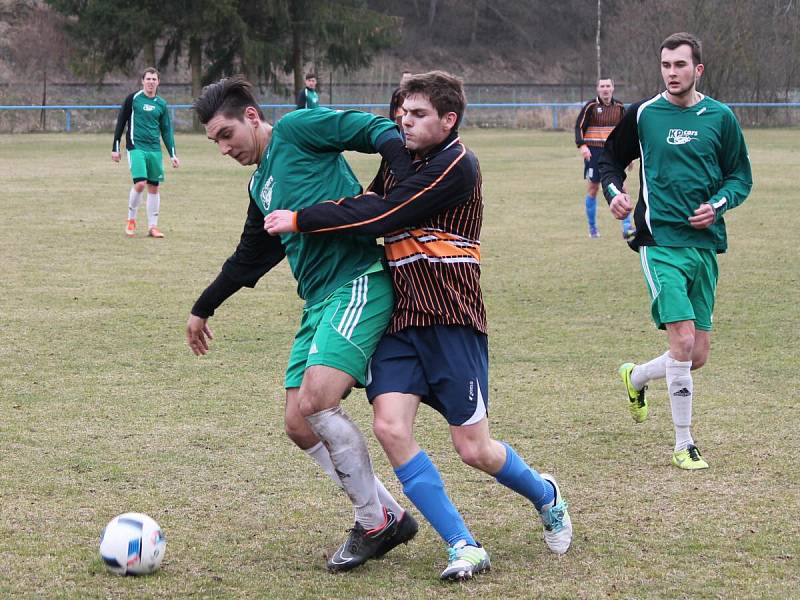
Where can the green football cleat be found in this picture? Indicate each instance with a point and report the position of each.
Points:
(464, 561)
(689, 459)
(637, 403)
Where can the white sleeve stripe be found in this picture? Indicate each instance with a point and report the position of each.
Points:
(721, 202)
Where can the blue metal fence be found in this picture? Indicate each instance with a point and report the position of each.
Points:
(274, 111)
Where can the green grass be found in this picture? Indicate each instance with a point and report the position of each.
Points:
(103, 409)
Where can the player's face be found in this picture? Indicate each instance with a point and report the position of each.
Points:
(150, 84)
(423, 127)
(311, 83)
(235, 138)
(678, 70)
(605, 90)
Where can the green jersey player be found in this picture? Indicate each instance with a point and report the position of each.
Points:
(693, 168)
(308, 96)
(348, 294)
(146, 117)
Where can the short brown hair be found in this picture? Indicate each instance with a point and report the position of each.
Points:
(228, 97)
(151, 70)
(311, 76)
(683, 38)
(444, 91)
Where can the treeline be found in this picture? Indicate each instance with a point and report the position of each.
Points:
(752, 47)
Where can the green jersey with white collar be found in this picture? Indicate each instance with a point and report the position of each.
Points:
(688, 156)
(147, 121)
(303, 165)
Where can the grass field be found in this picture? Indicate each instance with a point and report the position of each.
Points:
(103, 409)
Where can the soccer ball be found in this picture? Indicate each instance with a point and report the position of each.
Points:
(132, 544)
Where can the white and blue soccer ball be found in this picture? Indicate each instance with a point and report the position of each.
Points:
(132, 544)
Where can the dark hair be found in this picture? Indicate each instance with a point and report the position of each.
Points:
(683, 38)
(444, 91)
(151, 70)
(228, 97)
(311, 76)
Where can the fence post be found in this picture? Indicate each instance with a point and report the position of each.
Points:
(67, 121)
(555, 116)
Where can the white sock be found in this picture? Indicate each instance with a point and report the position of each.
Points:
(153, 204)
(134, 198)
(655, 369)
(350, 457)
(321, 456)
(680, 388)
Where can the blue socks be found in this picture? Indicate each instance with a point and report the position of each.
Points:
(626, 224)
(591, 212)
(424, 487)
(518, 476)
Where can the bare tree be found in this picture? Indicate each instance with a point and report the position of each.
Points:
(597, 41)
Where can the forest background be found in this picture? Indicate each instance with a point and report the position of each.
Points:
(62, 51)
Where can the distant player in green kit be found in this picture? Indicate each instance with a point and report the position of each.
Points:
(694, 168)
(146, 117)
(348, 294)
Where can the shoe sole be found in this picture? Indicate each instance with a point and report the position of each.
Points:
(688, 468)
(467, 576)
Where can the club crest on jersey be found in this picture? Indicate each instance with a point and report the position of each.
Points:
(148, 107)
(266, 193)
(677, 137)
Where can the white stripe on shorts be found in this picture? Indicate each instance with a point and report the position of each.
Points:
(358, 298)
(647, 274)
(480, 408)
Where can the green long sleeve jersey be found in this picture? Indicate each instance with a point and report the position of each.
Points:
(147, 120)
(303, 165)
(688, 156)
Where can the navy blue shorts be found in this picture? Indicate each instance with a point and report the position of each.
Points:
(591, 170)
(446, 365)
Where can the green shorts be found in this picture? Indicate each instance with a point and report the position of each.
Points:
(682, 283)
(146, 165)
(343, 330)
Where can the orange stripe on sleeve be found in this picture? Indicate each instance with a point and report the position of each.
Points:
(416, 196)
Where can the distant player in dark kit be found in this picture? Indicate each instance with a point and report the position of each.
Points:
(396, 102)
(146, 117)
(347, 291)
(435, 350)
(592, 127)
(694, 168)
(308, 97)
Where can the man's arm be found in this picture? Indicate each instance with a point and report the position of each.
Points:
(254, 256)
(301, 99)
(447, 181)
(621, 148)
(735, 165)
(327, 130)
(168, 135)
(581, 123)
(123, 118)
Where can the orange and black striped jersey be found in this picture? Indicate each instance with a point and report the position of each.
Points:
(431, 224)
(596, 121)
